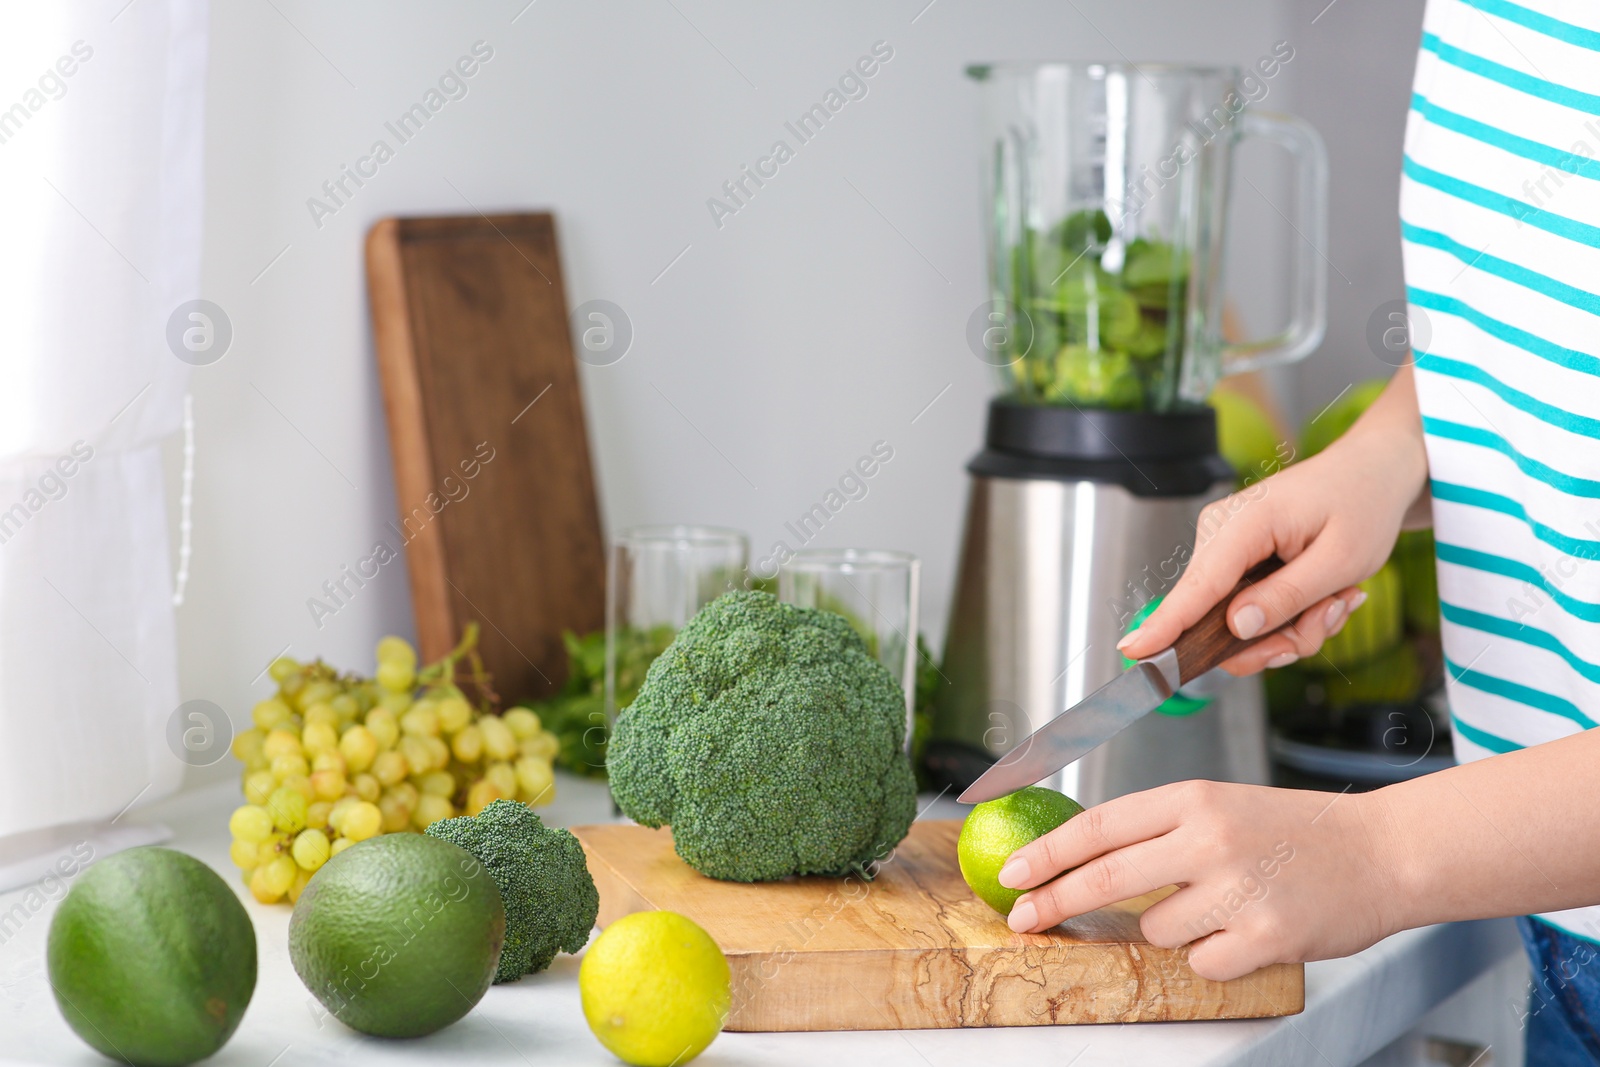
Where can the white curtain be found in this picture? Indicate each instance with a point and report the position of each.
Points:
(100, 211)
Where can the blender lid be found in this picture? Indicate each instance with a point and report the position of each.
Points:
(1152, 454)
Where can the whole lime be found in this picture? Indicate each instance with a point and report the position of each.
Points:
(398, 936)
(1331, 423)
(1246, 436)
(997, 828)
(656, 989)
(1373, 629)
(152, 958)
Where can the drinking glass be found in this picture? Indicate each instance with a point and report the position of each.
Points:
(658, 578)
(876, 590)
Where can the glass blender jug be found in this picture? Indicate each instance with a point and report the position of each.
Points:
(1106, 193)
(1105, 206)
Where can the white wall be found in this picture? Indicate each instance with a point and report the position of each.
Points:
(1353, 83)
(821, 318)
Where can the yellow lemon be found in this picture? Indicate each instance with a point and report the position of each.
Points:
(655, 989)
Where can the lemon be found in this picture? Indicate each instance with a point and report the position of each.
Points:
(655, 989)
(997, 828)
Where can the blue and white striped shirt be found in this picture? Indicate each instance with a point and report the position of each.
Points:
(1500, 217)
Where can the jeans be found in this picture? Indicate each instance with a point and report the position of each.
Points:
(1562, 1027)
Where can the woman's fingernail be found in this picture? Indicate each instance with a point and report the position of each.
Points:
(1013, 874)
(1334, 630)
(1024, 917)
(1248, 621)
(1282, 659)
(1359, 599)
(1333, 616)
(1126, 641)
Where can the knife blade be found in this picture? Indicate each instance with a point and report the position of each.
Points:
(1126, 698)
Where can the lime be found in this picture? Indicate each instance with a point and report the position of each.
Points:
(1246, 436)
(152, 958)
(1331, 423)
(1373, 629)
(398, 935)
(997, 828)
(655, 988)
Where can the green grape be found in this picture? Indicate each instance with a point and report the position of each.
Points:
(251, 822)
(361, 822)
(258, 786)
(317, 813)
(346, 707)
(396, 703)
(243, 853)
(418, 756)
(422, 720)
(319, 737)
(272, 880)
(359, 746)
(290, 765)
(248, 746)
(523, 722)
(271, 713)
(436, 783)
(397, 677)
(394, 649)
(430, 809)
(311, 849)
(454, 713)
(385, 729)
(288, 807)
(318, 692)
(499, 743)
(281, 742)
(282, 669)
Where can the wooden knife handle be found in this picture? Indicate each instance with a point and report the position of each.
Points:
(1209, 642)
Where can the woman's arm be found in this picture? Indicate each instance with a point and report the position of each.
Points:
(1284, 875)
(1508, 835)
(1332, 518)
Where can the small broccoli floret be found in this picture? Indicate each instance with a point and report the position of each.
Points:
(771, 742)
(550, 899)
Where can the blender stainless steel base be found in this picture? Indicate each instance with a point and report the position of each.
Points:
(1058, 555)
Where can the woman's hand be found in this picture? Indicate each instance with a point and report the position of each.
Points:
(1332, 519)
(1265, 875)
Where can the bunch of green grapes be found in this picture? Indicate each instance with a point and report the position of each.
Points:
(335, 759)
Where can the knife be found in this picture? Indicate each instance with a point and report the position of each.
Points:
(1113, 707)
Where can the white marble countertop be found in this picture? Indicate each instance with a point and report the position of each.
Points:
(1354, 1006)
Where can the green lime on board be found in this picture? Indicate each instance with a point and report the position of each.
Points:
(656, 989)
(399, 935)
(997, 828)
(152, 958)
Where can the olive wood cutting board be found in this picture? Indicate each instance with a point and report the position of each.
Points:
(496, 496)
(914, 949)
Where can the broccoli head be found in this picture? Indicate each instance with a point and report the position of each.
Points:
(550, 899)
(770, 741)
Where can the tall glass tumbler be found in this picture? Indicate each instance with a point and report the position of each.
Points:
(657, 578)
(876, 590)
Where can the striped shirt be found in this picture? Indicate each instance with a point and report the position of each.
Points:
(1500, 218)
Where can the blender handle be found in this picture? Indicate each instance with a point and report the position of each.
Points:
(1209, 642)
(1309, 301)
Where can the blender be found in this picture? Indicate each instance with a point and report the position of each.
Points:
(1106, 191)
